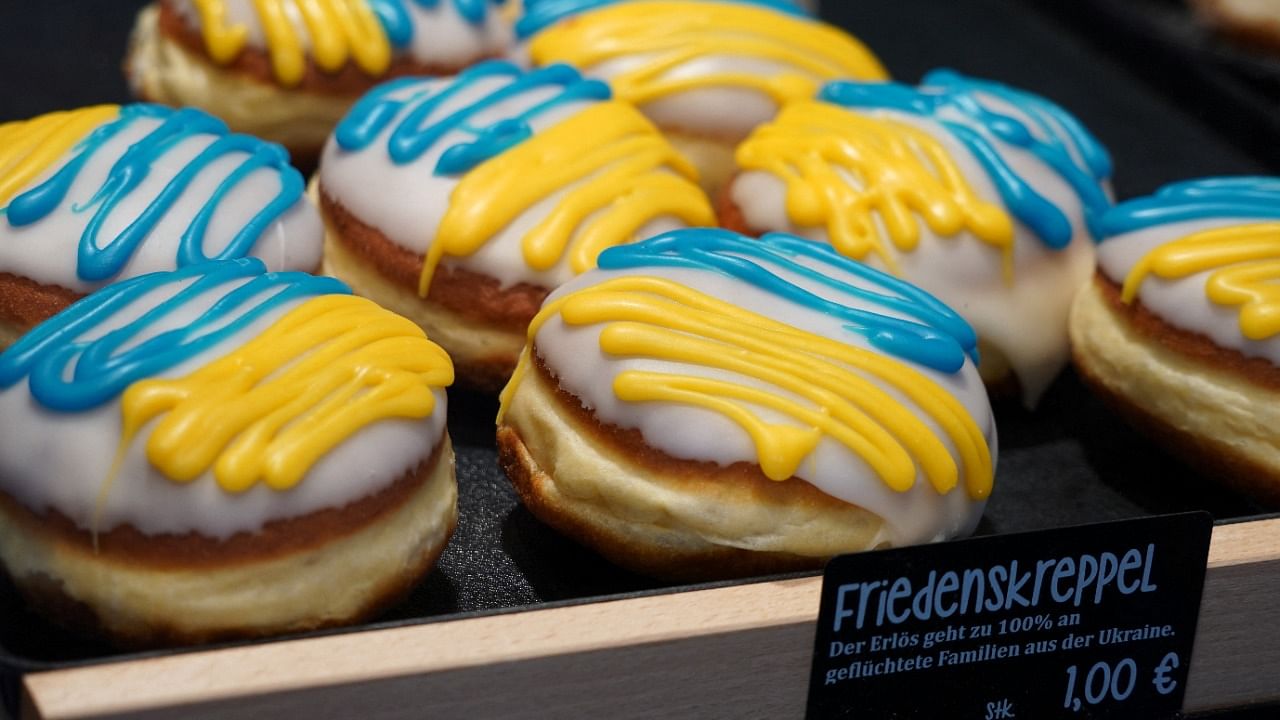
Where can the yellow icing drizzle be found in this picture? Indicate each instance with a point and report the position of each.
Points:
(510, 11)
(830, 388)
(30, 147)
(663, 36)
(626, 175)
(270, 409)
(340, 31)
(844, 170)
(222, 40)
(1245, 262)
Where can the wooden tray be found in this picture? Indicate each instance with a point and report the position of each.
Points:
(739, 651)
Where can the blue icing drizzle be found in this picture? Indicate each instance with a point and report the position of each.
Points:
(1054, 136)
(539, 14)
(97, 261)
(473, 10)
(940, 340)
(1246, 197)
(417, 131)
(67, 374)
(395, 18)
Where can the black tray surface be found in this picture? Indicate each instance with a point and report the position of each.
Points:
(1069, 462)
(1232, 86)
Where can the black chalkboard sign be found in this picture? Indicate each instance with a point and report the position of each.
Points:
(1095, 621)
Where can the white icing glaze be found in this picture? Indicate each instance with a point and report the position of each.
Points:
(1026, 320)
(702, 111)
(46, 251)
(1183, 303)
(441, 36)
(688, 432)
(408, 202)
(60, 460)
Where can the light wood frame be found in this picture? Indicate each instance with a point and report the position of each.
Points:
(741, 651)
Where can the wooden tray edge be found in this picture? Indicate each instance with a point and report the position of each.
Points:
(738, 651)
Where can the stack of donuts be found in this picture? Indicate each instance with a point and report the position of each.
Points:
(744, 299)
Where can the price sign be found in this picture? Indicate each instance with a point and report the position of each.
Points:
(1088, 622)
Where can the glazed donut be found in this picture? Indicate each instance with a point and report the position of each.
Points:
(1180, 330)
(461, 202)
(1248, 22)
(100, 194)
(219, 451)
(288, 70)
(709, 405)
(979, 193)
(706, 72)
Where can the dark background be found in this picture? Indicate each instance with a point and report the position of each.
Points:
(1170, 101)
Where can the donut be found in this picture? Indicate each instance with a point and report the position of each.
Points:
(979, 193)
(220, 451)
(707, 72)
(708, 405)
(461, 202)
(1180, 328)
(1255, 25)
(104, 193)
(288, 70)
